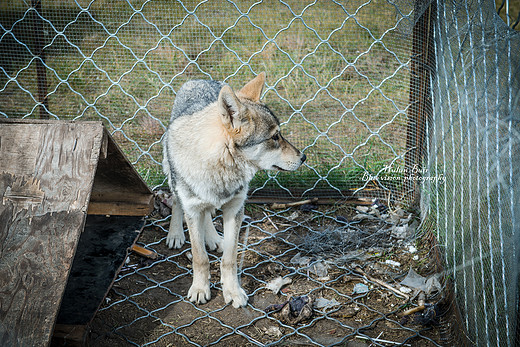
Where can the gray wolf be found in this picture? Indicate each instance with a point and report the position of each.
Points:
(214, 144)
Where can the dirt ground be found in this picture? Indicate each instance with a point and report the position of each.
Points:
(348, 262)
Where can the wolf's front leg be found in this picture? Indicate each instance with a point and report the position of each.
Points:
(176, 238)
(199, 291)
(233, 213)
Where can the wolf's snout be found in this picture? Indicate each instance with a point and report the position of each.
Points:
(304, 157)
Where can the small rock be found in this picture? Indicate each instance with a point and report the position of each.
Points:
(393, 263)
(295, 215)
(341, 219)
(274, 331)
(308, 207)
(363, 209)
(400, 232)
(405, 290)
(360, 288)
(350, 312)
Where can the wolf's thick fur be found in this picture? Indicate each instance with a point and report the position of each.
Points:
(216, 141)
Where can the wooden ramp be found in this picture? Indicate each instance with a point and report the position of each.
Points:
(52, 174)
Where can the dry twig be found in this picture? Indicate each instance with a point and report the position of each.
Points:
(381, 283)
(293, 204)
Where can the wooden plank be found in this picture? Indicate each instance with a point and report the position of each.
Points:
(121, 208)
(46, 175)
(60, 159)
(35, 258)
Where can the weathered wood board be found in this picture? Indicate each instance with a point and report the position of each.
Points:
(47, 175)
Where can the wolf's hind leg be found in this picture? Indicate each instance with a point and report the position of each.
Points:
(212, 238)
(176, 237)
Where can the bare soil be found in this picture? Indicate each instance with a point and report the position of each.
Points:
(147, 304)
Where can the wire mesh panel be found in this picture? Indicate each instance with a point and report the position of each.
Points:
(352, 83)
(338, 77)
(474, 143)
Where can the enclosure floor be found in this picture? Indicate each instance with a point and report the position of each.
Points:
(147, 304)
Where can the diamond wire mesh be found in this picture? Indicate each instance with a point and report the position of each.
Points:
(338, 77)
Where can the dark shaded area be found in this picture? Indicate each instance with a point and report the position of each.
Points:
(101, 251)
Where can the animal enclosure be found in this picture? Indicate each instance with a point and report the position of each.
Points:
(412, 103)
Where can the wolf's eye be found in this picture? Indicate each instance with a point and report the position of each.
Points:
(276, 137)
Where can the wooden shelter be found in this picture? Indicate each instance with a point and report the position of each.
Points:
(68, 196)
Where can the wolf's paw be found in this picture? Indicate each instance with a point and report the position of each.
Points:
(175, 240)
(236, 295)
(199, 294)
(214, 241)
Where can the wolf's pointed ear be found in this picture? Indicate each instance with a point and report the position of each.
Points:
(230, 107)
(253, 89)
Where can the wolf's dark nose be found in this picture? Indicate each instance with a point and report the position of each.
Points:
(303, 158)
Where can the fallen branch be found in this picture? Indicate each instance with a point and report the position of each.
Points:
(293, 204)
(381, 283)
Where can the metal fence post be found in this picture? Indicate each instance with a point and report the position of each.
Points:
(40, 66)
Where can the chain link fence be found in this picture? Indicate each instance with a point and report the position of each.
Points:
(379, 94)
(338, 76)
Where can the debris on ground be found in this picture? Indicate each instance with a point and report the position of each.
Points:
(294, 310)
(322, 303)
(273, 332)
(355, 268)
(312, 202)
(423, 314)
(143, 252)
(163, 202)
(428, 285)
(381, 283)
(276, 284)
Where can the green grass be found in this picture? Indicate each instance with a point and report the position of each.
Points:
(130, 81)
